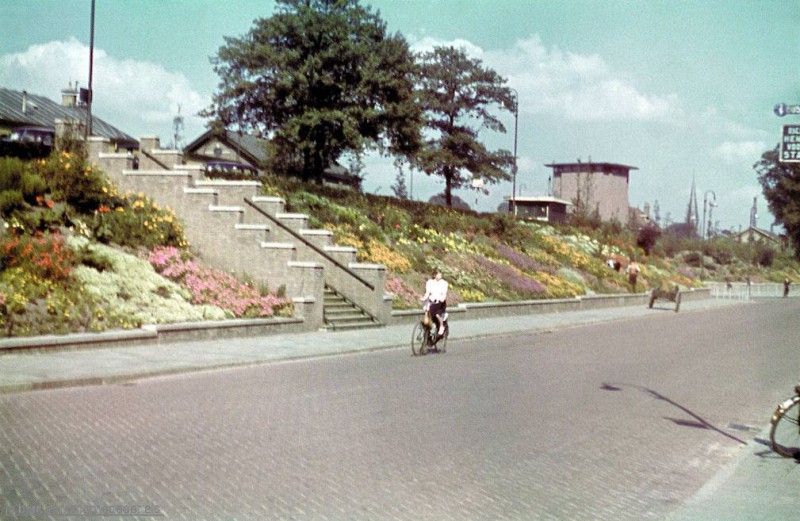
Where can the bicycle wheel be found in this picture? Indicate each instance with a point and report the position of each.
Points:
(419, 340)
(785, 432)
(441, 345)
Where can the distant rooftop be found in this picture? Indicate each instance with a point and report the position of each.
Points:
(591, 164)
(21, 108)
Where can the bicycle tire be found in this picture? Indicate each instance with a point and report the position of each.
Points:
(784, 435)
(442, 344)
(419, 340)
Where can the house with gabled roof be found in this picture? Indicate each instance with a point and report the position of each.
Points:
(228, 145)
(21, 108)
(754, 235)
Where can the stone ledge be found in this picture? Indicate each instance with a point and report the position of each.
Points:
(267, 199)
(156, 334)
(365, 266)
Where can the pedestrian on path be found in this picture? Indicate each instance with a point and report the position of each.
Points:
(632, 271)
(786, 284)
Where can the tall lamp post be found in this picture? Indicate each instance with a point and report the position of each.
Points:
(710, 205)
(89, 94)
(514, 171)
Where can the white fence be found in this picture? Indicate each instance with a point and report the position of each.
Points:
(744, 291)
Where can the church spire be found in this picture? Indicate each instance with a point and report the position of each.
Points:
(691, 212)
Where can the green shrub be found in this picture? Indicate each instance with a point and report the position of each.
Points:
(73, 180)
(136, 221)
(11, 201)
(18, 185)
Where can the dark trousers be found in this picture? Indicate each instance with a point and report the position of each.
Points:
(437, 310)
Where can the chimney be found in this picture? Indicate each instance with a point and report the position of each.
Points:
(27, 103)
(69, 96)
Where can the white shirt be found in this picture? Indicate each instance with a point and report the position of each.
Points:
(436, 290)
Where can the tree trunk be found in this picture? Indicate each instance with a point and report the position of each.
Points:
(448, 187)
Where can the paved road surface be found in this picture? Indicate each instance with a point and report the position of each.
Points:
(623, 420)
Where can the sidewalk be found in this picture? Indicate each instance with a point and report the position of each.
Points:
(757, 486)
(43, 369)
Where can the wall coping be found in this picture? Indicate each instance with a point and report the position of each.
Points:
(305, 264)
(365, 266)
(156, 173)
(268, 199)
(225, 182)
(216, 208)
(278, 245)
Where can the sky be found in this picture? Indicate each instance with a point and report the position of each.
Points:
(682, 90)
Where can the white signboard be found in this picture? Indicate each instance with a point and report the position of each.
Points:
(790, 144)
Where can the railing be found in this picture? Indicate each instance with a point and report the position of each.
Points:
(309, 244)
(744, 291)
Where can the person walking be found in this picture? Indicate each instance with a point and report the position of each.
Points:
(786, 284)
(632, 271)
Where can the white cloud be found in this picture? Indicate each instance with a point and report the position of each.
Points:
(139, 98)
(740, 152)
(428, 43)
(567, 85)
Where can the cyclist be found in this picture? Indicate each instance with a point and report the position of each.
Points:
(436, 299)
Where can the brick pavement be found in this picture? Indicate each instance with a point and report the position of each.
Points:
(326, 439)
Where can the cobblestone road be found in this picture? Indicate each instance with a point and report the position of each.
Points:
(609, 422)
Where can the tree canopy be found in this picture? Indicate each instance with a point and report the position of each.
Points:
(455, 90)
(319, 78)
(781, 184)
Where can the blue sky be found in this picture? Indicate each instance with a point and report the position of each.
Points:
(679, 89)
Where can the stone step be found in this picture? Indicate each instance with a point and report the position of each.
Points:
(339, 313)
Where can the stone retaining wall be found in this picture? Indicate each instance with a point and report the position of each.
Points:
(214, 330)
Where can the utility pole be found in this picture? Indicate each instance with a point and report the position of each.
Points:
(516, 124)
(91, 64)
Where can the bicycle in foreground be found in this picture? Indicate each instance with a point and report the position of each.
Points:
(425, 338)
(785, 432)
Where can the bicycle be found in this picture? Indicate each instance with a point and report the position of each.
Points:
(785, 432)
(424, 338)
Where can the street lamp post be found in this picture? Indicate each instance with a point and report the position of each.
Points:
(710, 205)
(91, 64)
(516, 123)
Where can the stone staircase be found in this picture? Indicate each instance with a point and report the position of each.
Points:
(341, 314)
(232, 227)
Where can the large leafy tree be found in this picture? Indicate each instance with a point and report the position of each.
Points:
(319, 78)
(456, 92)
(781, 184)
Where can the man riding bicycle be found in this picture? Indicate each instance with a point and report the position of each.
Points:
(436, 299)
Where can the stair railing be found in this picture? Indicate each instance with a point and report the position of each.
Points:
(309, 244)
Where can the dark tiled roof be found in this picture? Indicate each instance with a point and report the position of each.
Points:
(44, 112)
(252, 147)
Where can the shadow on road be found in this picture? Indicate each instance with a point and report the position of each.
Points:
(697, 423)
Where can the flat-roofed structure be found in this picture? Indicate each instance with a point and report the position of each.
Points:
(542, 208)
(594, 187)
